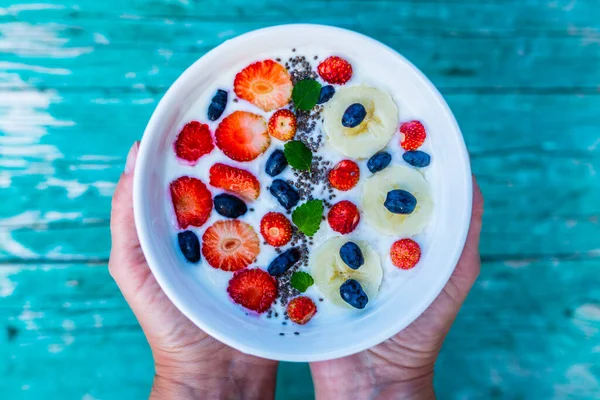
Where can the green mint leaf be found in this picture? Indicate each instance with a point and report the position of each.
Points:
(301, 281)
(307, 217)
(298, 155)
(306, 94)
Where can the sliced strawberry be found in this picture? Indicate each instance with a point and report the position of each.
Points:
(253, 288)
(343, 217)
(192, 201)
(405, 253)
(335, 70)
(266, 84)
(301, 310)
(243, 136)
(193, 142)
(276, 229)
(282, 125)
(413, 135)
(235, 180)
(345, 175)
(230, 245)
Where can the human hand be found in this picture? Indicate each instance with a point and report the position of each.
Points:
(188, 362)
(402, 367)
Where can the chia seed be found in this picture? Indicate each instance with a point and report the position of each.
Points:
(296, 333)
(281, 334)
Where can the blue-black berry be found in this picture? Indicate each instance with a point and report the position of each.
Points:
(400, 202)
(417, 158)
(217, 105)
(229, 206)
(276, 163)
(285, 194)
(326, 94)
(379, 161)
(354, 115)
(189, 245)
(353, 294)
(352, 255)
(284, 262)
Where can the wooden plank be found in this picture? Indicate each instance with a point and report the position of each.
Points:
(423, 15)
(156, 59)
(77, 317)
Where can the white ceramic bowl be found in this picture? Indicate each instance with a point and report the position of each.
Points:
(394, 309)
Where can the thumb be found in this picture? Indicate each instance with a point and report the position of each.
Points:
(127, 264)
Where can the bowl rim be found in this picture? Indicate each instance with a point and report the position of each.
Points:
(144, 229)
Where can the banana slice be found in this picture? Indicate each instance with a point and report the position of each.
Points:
(375, 191)
(376, 130)
(329, 271)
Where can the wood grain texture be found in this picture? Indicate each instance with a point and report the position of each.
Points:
(80, 78)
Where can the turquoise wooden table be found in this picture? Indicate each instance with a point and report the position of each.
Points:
(80, 78)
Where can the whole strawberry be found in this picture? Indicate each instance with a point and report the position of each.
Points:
(413, 135)
(301, 310)
(343, 217)
(405, 253)
(335, 70)
(345, 175)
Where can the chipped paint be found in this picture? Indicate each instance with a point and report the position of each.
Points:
(8, 285)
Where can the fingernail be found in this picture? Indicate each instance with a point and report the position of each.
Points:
(131, 157)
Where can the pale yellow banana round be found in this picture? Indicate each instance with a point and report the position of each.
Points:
(330, 272)
(376, 130)
(375, 192)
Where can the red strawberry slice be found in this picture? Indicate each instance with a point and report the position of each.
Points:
(282, 125)
(276, 229)
(253, 288)
(243, 136)
(301, 309)
(335, 70)
(230, 245)
(193, 142)
(192, 201)
(343, 217)
(345, 175)
(235, 180)
(266, 84)
(413, 135)
(405, 253)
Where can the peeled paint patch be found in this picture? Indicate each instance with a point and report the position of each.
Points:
(587, 319)
(7, 285)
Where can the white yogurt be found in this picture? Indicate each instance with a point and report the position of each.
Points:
(393, 279)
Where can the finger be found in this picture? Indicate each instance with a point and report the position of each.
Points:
(126, 258)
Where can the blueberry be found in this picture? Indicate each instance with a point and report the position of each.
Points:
(189, 245)
(326, 94)
(230, 206)
(353, 294)
(354, 115)
(351, 255)
(400, 202)
(284, 193)
(276, 163)
(379, 161)
(417, 158)
(217, 105)
(284, 261)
